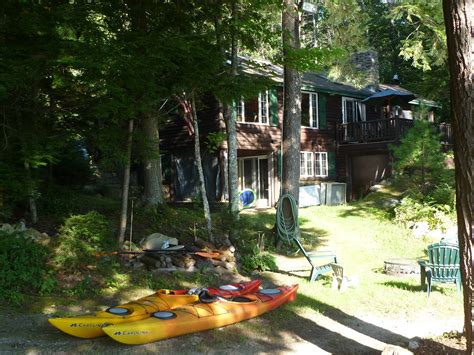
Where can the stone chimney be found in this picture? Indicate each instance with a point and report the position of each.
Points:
(367, 62)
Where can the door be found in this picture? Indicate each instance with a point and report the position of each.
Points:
(253, 174)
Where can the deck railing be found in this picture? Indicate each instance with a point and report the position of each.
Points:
(445, 131)
(384, 130)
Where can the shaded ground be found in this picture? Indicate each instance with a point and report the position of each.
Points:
(306, 331)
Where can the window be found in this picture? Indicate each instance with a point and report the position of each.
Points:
(309, 109)
(254, 110)
(306, 164)
(263, 107)
(321, 164)
(239, 107)
(352, 110)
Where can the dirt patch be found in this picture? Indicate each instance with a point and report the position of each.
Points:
(281, 331)
(450, 343)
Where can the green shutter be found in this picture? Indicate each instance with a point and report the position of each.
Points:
(332, 173)
(322, 110)
(273, 97)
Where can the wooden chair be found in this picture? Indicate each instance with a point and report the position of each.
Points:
(442, 266)
(288, 230)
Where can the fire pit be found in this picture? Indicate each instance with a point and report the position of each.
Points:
(401, 267)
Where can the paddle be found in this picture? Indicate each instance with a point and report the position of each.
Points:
(203, 254)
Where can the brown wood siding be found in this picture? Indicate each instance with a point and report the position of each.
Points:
(260, 138)
(323, 140)
(174, 134)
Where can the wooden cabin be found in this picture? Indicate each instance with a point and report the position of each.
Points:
(342, 141)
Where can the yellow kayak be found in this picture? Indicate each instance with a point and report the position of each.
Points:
(90, 326)
(203, 315)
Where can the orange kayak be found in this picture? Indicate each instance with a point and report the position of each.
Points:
(203, 315)
(90, 326)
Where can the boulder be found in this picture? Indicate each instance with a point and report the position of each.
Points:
(7, 228)
(375, 188)
(390, 203)
(395, 350)
(414, 344)
(33, 234)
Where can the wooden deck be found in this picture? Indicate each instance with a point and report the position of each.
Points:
(384, 131)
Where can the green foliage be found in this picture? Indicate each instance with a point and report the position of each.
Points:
(257, 260)
(23, 265)
(412, 209)
(425, 46)
(180, 223)
(58, 202)
(214, 140)
(84, 288)
(419, 156)
(80, 238)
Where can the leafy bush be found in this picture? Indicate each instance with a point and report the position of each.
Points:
(61, 202)
(23, 267)
(443, 194)
(256, 260)
(419, 155)
(80, 238)
(176, 222)
(411, 210)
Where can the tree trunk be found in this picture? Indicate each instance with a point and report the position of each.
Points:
(125, 185)
(232, 132)
(153, 189)
(223, 166)
(291, 102)
(31, 195)
(459, 18)
(229, 118)
(197, 154)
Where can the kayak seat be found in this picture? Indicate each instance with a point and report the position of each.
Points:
(241, 299)
(206, 297)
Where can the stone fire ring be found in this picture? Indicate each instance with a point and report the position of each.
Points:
(402, 267)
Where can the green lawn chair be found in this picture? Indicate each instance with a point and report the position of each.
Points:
(288, 230)
(442, 266)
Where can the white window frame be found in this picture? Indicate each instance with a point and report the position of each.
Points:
(321, 159)
(240, 106)
(358, 105)
(306, 164)
(262, 97)
(313, 111)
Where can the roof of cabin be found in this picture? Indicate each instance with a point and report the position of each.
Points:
(319, 82)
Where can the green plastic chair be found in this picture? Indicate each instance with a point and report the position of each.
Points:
(288, 230)
(442, 266)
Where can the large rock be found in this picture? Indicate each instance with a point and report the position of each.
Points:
(395, 350)
(7, 228)
(157, 241)
(390, 203)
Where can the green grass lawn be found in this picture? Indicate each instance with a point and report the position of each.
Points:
(362, 241)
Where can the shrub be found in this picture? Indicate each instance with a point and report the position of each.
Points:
(256, 260)
(23, 267)
(80, 238)
(443, 194)
(411, 210)
(419, 155)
